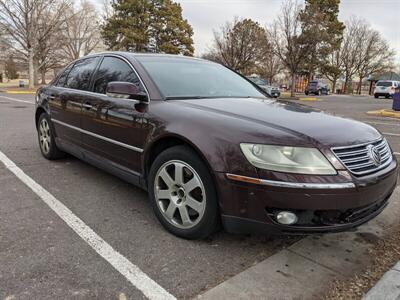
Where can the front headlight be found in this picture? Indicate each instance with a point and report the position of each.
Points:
(287, 159)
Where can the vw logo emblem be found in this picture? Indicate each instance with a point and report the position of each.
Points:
(374, 155)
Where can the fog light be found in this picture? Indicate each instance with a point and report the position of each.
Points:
(286, 218)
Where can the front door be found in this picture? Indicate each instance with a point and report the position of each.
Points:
(112, 127)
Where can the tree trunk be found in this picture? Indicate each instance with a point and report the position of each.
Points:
(334, 85)
(359, 86)
(30, 68)
(35, 72)
(346, 84)
(270, 79)
(43, 76)
(293, 88)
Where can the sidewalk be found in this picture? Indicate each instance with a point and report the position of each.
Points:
(388, 287)
(305, 269)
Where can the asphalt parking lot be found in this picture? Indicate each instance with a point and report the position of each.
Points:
(43, 258)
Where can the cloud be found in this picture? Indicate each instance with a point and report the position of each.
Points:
(208, 15)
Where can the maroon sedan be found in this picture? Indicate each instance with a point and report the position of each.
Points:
(211, 148)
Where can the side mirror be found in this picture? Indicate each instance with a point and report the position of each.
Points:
(125, 90)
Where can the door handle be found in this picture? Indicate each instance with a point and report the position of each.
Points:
(87, 105)
(52, 97)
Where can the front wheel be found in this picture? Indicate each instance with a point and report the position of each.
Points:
(183, 194)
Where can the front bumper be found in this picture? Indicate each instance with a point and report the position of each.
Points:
(384, 94)
(249, 207)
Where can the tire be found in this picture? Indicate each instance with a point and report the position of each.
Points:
(318, 93)
(387, 96)
(306, 93)
(46, 138)
(376, 96)
(189, 214)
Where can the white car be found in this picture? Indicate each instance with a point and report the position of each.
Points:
(385, 88)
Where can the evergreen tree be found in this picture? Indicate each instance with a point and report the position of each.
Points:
(148, 26)
(322, 29)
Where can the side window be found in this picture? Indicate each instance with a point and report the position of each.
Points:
(114, 69)
(62, 79)
(79, 77)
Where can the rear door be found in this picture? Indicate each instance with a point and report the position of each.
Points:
(69, 95)
(113, 126)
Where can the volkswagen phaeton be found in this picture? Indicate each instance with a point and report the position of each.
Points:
(212, 149)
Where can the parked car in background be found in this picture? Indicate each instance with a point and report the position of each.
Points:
(210, 148)
(385, 88)
(317, 88)
(272, 91)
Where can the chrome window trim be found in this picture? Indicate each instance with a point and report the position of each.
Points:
(134, 70)
(98, 136)
(97, 94)
(301, 185)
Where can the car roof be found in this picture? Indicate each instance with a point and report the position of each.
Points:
(143, 54)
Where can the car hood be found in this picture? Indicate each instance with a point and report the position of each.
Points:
(305, 122)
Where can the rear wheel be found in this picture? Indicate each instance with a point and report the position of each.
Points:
(376, 96)
(46, 138)
(182, 193)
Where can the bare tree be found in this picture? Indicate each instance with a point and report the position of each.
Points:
(29, 21)
(351, 46)
(270, 66)
(81, 33)
(287, 39)
(238, 45)
(374, 54)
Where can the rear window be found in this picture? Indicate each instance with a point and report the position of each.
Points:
(384, 83)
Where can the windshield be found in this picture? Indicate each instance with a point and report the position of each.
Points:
(188, 78)
(384, 83)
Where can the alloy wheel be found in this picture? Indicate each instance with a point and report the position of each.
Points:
(44, 136)
(180, 194)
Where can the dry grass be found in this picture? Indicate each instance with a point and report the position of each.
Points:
(385, 253)
(13, 83)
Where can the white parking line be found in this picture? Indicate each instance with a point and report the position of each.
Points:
(391, 134)
(131, 272)
(17, 100)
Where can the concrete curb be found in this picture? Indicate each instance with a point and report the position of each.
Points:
(21, 92)
(388, 287)
(300, 98)
(385, 113)
(305, 269)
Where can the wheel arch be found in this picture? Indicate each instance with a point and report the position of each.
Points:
(39, 111)
(163, 143)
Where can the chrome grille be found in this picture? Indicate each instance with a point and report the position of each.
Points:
(357, 159)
